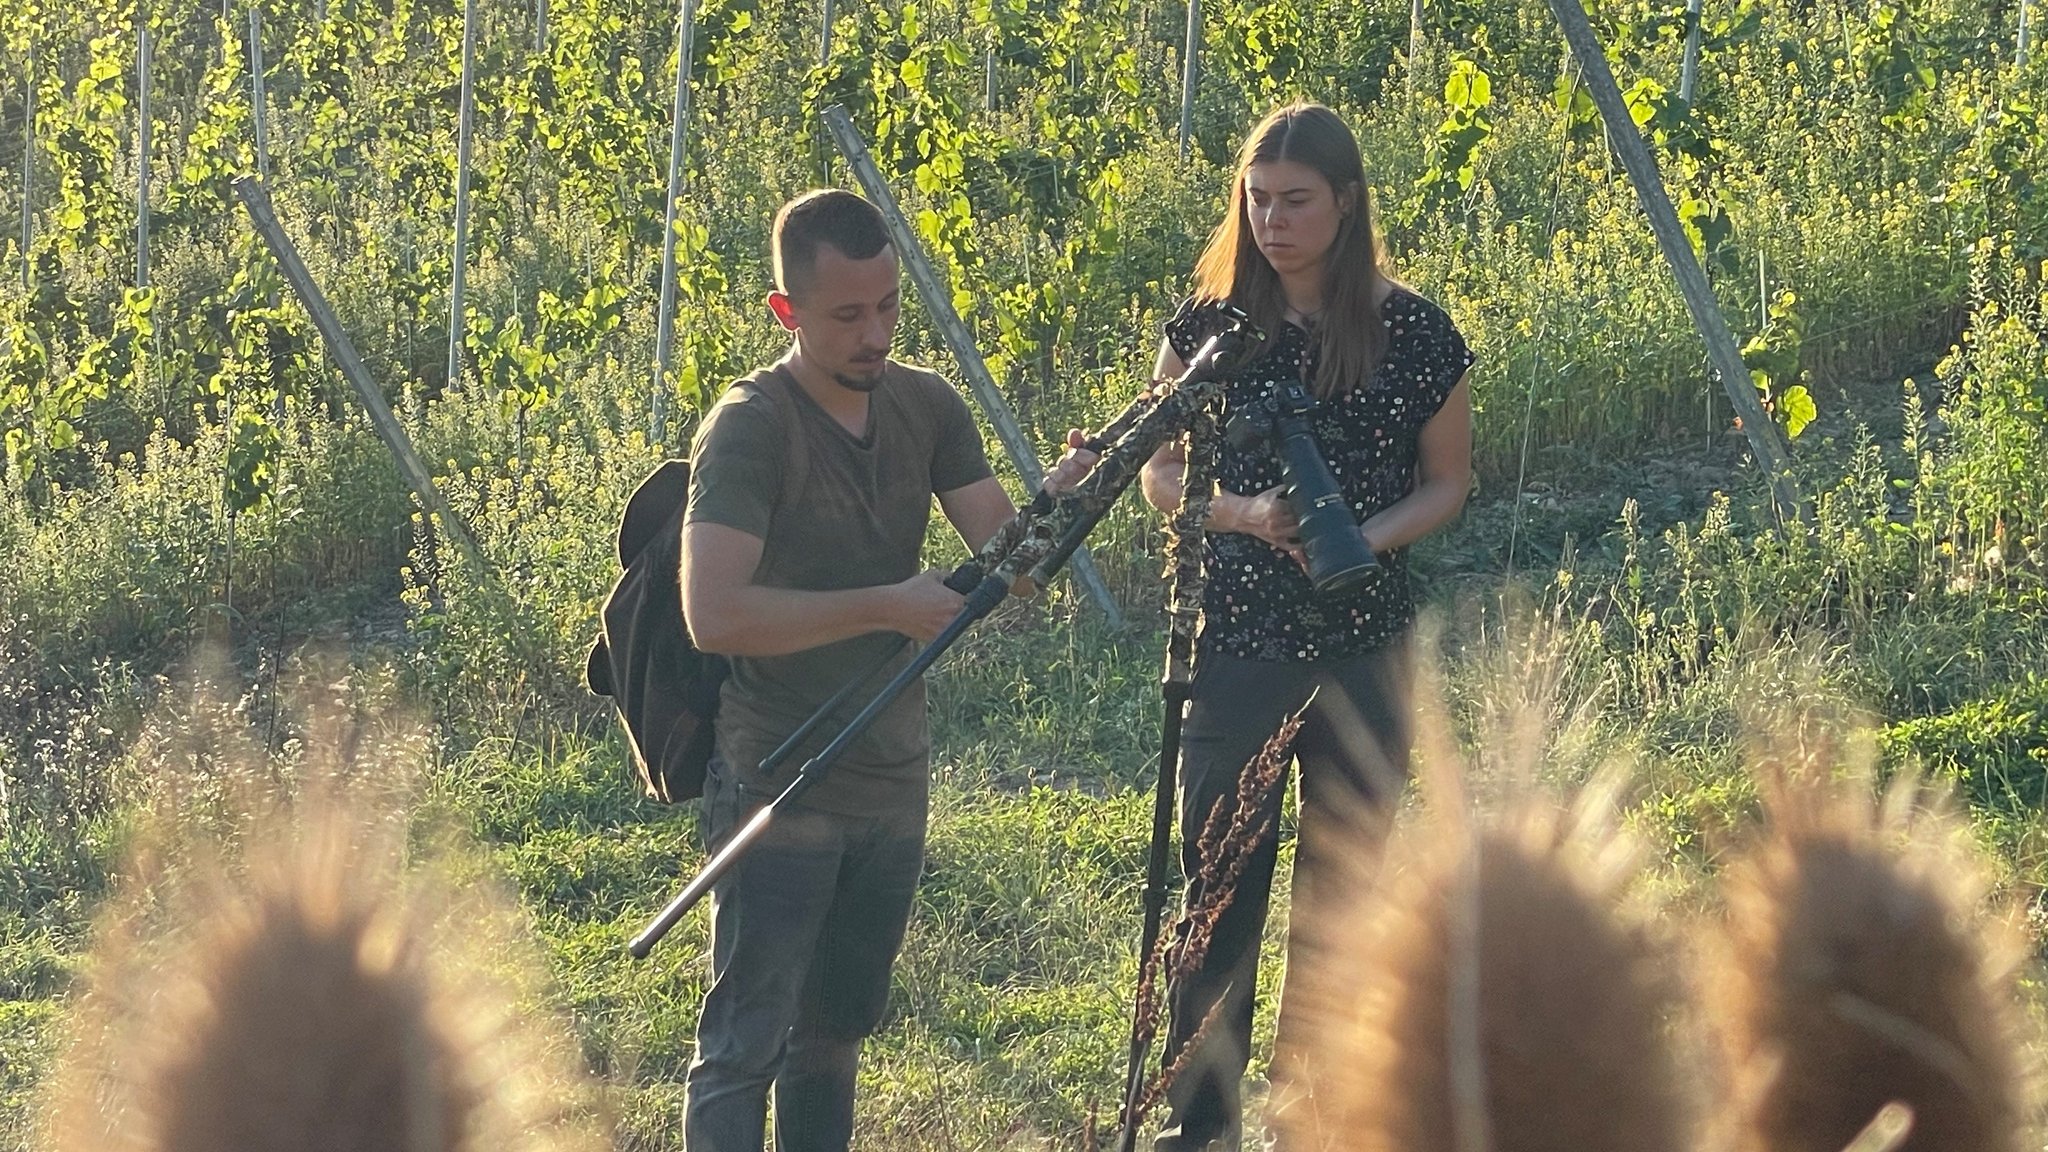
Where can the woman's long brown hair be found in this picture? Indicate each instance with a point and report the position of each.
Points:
(1231, 267)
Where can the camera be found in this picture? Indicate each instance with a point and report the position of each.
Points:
(1338, 558)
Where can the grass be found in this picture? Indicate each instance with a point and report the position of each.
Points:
(1669, 622)
(1009, 1018)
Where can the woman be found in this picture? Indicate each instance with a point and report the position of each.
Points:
(1296, 251)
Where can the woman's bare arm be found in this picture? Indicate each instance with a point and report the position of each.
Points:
(1443, 477)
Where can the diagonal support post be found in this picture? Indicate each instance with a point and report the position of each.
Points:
(939, 303)
(1722, 351)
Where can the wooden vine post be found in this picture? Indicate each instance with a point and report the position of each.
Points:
(939, 303)
(465, 116)
(1726, 356)
(1689, 73)
(142, 114)
(1190, 76)
(28, 165)
(665, 321)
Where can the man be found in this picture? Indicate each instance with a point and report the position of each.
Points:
(809, 496)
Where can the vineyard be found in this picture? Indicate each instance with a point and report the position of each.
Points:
(204, 532)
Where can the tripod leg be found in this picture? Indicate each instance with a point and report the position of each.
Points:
(1176, 698)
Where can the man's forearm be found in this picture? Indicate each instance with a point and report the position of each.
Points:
(758, 621)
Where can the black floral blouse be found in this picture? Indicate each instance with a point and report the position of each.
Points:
(1259, 604)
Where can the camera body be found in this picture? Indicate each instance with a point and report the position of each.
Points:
(1338, 558)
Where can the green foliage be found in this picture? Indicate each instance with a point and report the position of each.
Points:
(138, 564)
(1467, 93)
(1996, 748)
(1772, 356)
(1029, 207)
(543, 504)
(1257, 45)
(1989, 465)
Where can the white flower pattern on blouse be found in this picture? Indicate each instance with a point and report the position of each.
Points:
(1259, 604)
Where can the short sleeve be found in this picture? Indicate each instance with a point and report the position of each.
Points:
(1435, 354)
(736, 464)
(1189, 327)
(958, 457)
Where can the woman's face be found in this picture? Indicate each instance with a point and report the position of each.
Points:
(1294, 214)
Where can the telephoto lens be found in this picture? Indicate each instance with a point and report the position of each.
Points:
(1338, 557)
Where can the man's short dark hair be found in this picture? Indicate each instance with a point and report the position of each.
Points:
(827, 216)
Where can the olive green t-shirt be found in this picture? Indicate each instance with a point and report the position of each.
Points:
(833, 511)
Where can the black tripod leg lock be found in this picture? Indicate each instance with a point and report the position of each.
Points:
(986, 596)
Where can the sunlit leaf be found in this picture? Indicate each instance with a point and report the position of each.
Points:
(1799, 410)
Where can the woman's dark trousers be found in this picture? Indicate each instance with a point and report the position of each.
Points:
(1352, 752)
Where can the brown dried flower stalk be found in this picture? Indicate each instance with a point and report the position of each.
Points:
(1155, 1089)
(1224, 858)
(1225, 847)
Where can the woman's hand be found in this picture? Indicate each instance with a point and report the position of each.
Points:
(1073, 466)
(1266, 516)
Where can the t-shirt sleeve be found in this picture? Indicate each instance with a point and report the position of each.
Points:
(958, 457)
(737, 461)
(1189, 327)
(1438, 360)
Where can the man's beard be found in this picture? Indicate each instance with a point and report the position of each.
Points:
(867, 383)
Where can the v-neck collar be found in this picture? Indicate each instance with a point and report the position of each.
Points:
(866, 440)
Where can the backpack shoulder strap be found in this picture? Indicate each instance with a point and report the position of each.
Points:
(779, 383)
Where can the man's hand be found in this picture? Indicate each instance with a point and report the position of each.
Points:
(922, 606)
(1073, 466)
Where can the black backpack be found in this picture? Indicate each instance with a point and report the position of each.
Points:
(665, 690)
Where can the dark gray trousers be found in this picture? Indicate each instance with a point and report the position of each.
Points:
(804, 931)
(1352, 753)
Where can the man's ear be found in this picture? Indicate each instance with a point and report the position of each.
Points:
(784, 309)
